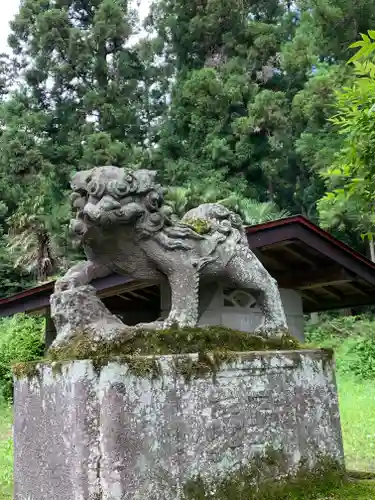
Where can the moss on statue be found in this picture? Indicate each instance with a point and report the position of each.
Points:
(200, 226)
(214, 346)
(26, 370)
(172, 341)
(256, 481)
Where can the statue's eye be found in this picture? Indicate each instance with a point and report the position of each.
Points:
(119, 189)
(154, 200)
(78, 200)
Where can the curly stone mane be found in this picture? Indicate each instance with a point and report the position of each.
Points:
(140, 197)
(142, 208)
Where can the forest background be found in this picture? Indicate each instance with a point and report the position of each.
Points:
(249, 102)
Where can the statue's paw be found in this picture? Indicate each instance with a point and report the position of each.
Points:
(153, 325)
(61, 286)
(64, 285)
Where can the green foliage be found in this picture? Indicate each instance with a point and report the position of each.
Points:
(21, 339)
(6, 453)
(82, 96)
(361, 356)
(353, 341)
(357, 415)
(251, 97)
(354, 338)
(181, 199)
(238, 96)
(254, 212)
(349, 180)
(38, 234)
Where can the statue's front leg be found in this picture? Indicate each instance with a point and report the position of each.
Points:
(81, 274)
(77, 310)
(184, 285)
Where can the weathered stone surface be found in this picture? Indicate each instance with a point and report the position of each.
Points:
(78, 311)
(84, 433)
(123, 227)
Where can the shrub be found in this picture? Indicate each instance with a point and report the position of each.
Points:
(21, 339)
(353, 338)
(361, 356)
(332, 331)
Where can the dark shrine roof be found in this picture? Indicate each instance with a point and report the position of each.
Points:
(300, 255)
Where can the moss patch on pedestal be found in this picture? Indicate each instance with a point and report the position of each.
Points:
(213, 346)
(26, 370)
(256, 481)
(205, 364)
(171, 341)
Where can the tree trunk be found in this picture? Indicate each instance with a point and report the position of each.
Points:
(270, 189)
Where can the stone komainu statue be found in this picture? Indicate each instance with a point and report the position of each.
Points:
(124, 227)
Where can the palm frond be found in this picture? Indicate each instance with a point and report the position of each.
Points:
(255, 212)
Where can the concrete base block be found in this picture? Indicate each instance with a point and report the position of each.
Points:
(143, 429)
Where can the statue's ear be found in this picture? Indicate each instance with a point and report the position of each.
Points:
(150, 174)
(80, 180)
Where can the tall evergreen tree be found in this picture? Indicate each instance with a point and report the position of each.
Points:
(253, 90)
(234, 96)
(85, 94)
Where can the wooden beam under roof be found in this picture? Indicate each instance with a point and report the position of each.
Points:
(310, 296)
(311, 279)
(357, 287)
(299, 256)
(334, 293)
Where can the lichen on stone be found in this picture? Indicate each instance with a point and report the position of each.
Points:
(57, 368)
(200, 226)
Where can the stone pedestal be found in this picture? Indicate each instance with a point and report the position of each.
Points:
(143, 429)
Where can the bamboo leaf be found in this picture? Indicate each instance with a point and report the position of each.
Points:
(365, 38)
(359, 43)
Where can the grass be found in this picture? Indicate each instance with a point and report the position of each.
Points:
(357, 406)
(357, 410)
(6, 453)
